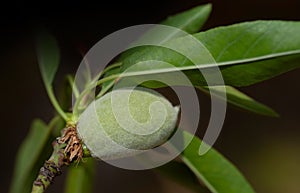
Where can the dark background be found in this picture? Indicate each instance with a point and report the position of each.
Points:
(265, 149)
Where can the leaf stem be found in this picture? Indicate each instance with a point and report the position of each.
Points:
(56, 104)
(108, 78)
(72, 85)
(88, 89)
(111, 67)
(104, 90)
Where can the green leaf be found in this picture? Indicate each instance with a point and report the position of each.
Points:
(240, 100)
(80, 177)
(181, 174)
(254, 51)
(246, 53)
(28, 156)
(48, 57)
(191, 20)
(215, 171)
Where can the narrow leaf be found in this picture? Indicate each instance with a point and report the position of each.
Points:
(246, 53)
(48, 57)
(80, 177)
(240, 100)
(254, 51)
(215, 171)
(191, 20)
(28, 155)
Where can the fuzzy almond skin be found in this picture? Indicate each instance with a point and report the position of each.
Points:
(120, 130)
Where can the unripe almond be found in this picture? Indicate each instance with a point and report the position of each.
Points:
(125, 122)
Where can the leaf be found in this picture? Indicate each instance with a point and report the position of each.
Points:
(181, 174)
(191, 20)
(246, 53)
(215, 171)
(48, 57)
(254, 51)
(80, 177)
(240, 100)
(28, 156)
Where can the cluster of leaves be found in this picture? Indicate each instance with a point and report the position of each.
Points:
(246, 54)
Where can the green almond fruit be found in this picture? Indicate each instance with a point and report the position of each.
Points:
(125, 122)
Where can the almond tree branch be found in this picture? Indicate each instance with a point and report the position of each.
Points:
(51, 168)
(66, 149)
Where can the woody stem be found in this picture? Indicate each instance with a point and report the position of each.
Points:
(66, 149)
(51, 168)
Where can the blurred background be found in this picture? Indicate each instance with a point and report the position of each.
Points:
(266, 150)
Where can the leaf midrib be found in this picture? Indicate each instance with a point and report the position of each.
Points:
(210, 65)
